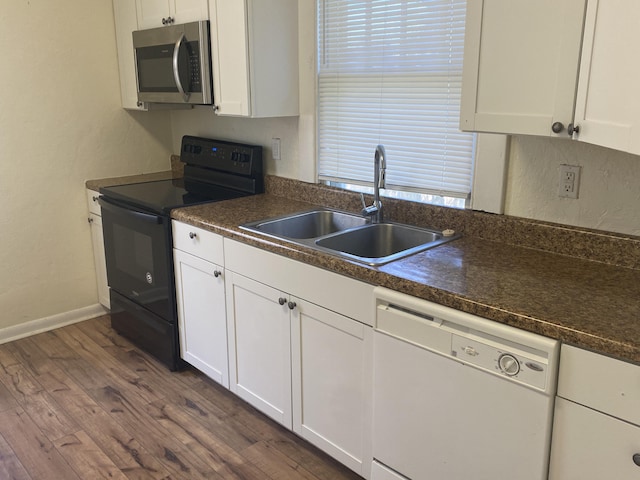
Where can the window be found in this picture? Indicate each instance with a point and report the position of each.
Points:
(390, 72)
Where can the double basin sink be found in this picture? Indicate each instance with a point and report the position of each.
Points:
(351, 236)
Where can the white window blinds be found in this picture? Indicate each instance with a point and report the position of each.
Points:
(390, 73)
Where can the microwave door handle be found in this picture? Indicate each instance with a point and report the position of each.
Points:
(176, 71)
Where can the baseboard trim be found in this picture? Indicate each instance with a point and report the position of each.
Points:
(39, 325)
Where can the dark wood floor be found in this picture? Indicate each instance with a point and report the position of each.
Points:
(81, 402)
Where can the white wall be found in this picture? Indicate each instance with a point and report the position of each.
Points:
(61, 124)
(609, 195)
(297, 134)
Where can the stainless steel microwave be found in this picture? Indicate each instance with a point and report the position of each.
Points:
(173, 64)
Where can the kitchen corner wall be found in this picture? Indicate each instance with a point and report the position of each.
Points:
(609, 192)
(61, 123)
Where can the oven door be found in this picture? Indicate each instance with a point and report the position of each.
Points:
(137, 250)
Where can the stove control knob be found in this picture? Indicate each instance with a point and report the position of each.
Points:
(509, 364)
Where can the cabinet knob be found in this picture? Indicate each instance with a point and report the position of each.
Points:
(636, 459)
(193, 235)
(571, 129)
(282, 300)
(90, 220)
(557, 127)
(94, 198)
(292, 305)
(217, 273)
(167, 21)
(139, 104)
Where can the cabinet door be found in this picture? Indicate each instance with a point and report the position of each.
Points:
(230, 56)
(520, 65)
(202, 315)
(151, 13)
(608, 100)
(589, 445)
(259, 346)
(185, 11)
(331, 356)
(97, 239)
(124, 12)
(254, 53)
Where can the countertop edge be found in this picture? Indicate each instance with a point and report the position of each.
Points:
(374, 276)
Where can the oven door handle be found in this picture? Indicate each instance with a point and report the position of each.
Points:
(119, 209)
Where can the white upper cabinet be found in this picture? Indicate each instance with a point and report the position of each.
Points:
(521, 64)
(124, 13)
(156, 13)
(254, 50)
(608, 102)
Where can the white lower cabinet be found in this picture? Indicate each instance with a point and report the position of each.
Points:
(97, 239)
(589, 445)
(200, 295)
(259, 346)
(307, 366)
(596, 429)
(331, 357)
(201, 314)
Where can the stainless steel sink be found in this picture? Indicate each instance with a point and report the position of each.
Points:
(382, 242)
(350, 236)
(312, 224)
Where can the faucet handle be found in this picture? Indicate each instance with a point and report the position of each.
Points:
(364, 204)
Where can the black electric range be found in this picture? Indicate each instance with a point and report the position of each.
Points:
(138, 238)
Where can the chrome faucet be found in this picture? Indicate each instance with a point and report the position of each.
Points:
(379, 168)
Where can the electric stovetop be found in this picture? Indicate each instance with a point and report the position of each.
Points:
(163, 195)
(214, 170)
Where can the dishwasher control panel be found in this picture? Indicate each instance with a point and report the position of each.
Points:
(518, 356)
(510, 362)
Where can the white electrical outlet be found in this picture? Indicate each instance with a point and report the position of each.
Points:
(569, 182)
(275, 148)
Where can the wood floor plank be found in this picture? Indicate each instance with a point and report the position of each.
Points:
(34, 450)
(10, 466)
(276, 464)
(25, 351)
(120, 445)
(39, 405)
(133, 418)
(175, 455)
(86, 458)
(7, 401)
(112, 371)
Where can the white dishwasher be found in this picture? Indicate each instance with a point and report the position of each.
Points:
(457, 396)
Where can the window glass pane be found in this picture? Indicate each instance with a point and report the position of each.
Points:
(390, 73)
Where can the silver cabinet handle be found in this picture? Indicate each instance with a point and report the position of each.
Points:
(217, 273)
(193, 235)
(282, 300)
(292, 305)
(176, 73)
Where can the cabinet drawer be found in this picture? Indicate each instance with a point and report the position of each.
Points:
(92, 202)
(589, 445)
(198, 242)
(600, 382)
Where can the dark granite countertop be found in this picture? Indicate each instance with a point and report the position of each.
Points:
(590, 304)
